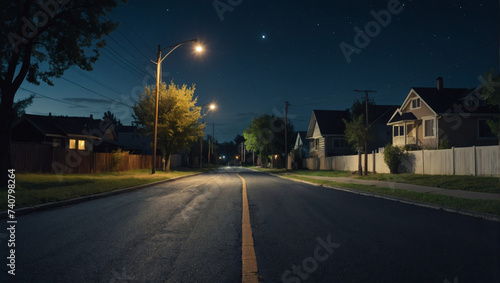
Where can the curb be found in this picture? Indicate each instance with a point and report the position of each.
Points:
(486, 216)
(52, 205)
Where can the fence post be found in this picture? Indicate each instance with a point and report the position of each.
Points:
(423, 165)
(453, 159)
(474, 159)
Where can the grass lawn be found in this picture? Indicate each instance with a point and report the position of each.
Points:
(33, 189)
(324, 173)
(466, 183)
(483, 206)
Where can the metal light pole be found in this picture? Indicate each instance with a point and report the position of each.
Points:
(158, 65)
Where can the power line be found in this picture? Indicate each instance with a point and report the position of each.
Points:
(97, 81)
(123, 59)
(121, 46)
(122, 64)
(48, 97)
(136, 48)
(102, 95)
(133, 31)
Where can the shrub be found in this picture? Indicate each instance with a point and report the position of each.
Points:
(118, 156)
(392, 157)
(444, 143)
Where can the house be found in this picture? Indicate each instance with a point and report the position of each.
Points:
(301, 145)
(326, 133)
(131, 140)
(380, 132)
(79, 133)
(434, 116)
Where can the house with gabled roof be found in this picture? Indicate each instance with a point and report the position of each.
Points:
(326, 133)
(430, 116)
(79, 133)
(301, 144)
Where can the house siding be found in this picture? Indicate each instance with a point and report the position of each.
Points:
(423, 111)
(463, 132)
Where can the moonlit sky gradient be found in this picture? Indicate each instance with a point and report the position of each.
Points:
(259, 54)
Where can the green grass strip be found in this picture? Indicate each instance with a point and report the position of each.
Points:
(482, 206)
(450, 182)
(34, 189)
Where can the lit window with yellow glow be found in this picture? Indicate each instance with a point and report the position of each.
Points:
(72, 144)
(81, 144)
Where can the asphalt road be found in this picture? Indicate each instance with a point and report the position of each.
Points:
(189, 230)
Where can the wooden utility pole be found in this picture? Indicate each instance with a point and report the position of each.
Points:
(366, 143)
(286, 135)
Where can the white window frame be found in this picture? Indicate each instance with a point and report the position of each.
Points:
(419, 103)
(434, 128)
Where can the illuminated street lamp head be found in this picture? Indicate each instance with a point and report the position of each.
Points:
(198, 48)
(212, 106)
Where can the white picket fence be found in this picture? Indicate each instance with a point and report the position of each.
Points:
(476, 161)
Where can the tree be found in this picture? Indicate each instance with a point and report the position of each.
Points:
(40, 40)
(359, 108)
(177, 117)
(491, 92)
(21, 105)
(357, 134)
(266, 135)
(108, 115)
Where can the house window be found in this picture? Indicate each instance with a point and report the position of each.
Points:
(399, 131)
(77, 144)
(81, 144)
(429, 128)
(316, 144)
(484, 130)
(72, 144)
(415, 103)
(339, 143)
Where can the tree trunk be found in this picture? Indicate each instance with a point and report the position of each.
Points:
(360, 168)
(6, 120)
(167, 162)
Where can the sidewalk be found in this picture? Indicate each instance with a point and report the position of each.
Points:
(410, 187)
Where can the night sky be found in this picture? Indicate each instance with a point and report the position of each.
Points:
(259, 54)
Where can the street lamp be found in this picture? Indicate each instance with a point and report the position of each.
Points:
(208, 106)
(158, 64)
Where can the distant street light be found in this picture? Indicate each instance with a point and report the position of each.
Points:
(158, 70)
(209, 106)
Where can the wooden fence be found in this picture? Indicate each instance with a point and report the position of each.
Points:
(43, 158)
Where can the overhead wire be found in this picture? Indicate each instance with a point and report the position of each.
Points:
(96, 81)
(51, 98)
(95, 92)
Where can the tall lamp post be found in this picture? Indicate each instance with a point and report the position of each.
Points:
(158, 69)
(209, 106)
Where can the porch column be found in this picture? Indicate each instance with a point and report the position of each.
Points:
(405, 133)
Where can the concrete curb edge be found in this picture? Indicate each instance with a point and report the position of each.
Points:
(52, 205)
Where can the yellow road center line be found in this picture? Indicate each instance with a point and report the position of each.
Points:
(248, 259)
